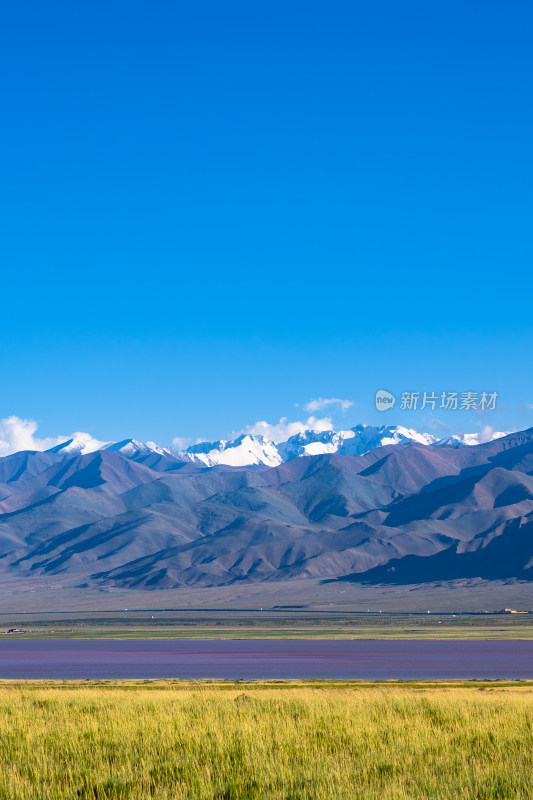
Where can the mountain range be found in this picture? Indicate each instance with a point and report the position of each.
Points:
(250, 449)
(371, 505)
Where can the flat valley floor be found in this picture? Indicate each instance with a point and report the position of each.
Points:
(279, 623)
(59, 593)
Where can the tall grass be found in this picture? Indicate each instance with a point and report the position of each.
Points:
(204, 741)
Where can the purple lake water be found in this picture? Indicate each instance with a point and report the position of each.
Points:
(363, 659)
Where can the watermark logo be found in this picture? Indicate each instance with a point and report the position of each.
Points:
(384, 400)
(448, 401)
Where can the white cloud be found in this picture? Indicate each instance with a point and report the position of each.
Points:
(282, 430)
(440, 426)
(181, 442)
(325, 402)
(19, 434)
(486, 434)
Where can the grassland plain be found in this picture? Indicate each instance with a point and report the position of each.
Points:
(236, 740)
(171, 625)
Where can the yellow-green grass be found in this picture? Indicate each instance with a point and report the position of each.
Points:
(266, 740)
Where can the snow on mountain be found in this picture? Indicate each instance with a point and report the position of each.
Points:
(313, 443)
(354, 442)
(247, 450)
(251, 449)
(131, 448)
(79, 445)
(471, 439)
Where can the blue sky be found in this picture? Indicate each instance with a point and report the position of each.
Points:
(214, 211)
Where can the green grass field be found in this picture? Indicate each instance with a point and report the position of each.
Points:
(266, 740)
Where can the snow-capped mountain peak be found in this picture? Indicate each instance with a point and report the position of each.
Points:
(247, 449)
(471, 439)
(80, 444)
(130, 448)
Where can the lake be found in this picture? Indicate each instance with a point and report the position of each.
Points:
(330, 659)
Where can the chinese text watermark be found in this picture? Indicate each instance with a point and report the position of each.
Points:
(446, 401)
